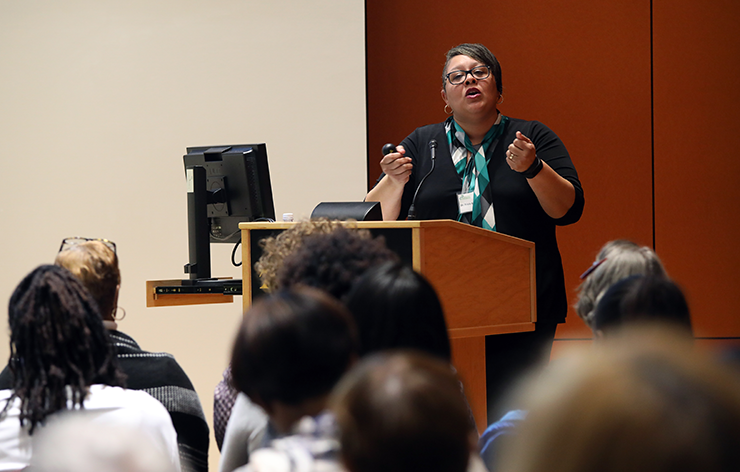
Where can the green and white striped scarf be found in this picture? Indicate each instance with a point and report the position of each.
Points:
(474, 172)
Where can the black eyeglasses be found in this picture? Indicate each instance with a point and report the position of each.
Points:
(456, 77)
(69, 242)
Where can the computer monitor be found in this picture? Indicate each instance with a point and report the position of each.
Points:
(241, 172)
(232, 187)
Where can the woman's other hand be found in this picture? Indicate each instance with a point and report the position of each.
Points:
(396, 166)
(521, 153)
(555, 194)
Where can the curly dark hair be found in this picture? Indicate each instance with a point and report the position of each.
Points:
(58, 345)
(276, 248)
(334, 261)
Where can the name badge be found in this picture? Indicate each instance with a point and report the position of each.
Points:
(465, 202)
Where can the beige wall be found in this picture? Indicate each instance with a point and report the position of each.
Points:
(98, 101)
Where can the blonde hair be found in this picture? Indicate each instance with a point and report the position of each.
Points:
(96, 266)
(621, 259)
(644, 401)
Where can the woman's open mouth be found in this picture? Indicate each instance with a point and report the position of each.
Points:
(472, 93)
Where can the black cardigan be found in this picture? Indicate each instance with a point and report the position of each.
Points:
(518, 212)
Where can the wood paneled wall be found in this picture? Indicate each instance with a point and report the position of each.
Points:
(643, 95)
(696, 65)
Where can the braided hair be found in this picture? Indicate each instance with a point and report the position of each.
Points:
(58, 345)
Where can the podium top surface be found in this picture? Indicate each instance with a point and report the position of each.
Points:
(423, 224)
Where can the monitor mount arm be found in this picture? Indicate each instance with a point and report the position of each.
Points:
(199, 247)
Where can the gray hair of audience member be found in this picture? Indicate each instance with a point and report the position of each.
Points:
(643, 400)
(640, 299)
(74, 442)
(333, 261)
(616, 260)
(402, 410)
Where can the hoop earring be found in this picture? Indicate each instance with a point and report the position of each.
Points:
(116, 311)
(445, 109)
(500, 99)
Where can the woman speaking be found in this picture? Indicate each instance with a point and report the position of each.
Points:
(499, 173)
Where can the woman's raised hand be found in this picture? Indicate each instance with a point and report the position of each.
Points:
(396, 166)
(521, 153)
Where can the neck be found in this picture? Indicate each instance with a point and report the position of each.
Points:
(475, 128)
(284, 416)
(110, 324)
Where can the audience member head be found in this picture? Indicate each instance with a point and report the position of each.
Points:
(96, 265)
(395, 307)
(402, 411)
(643, 401)
(640, 299)
(78, 443)
(616, 260)
(57, 342)
(276, 248)
(292, 348)
(333, 261)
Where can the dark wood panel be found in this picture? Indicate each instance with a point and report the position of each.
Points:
(697, 221)
(580, 67)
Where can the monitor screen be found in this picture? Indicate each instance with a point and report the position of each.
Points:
(238, 184)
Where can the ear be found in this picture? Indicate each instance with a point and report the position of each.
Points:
(444, 95)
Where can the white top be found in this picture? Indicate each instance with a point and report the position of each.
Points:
(312, 446)
(246, 426)
(104, 405)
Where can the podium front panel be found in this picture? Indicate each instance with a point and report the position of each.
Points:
(398, 240)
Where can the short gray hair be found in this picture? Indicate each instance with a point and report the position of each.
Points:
(621, 259)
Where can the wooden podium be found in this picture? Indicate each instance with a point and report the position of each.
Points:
(485, 281)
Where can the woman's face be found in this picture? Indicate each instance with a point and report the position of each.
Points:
(472, 99)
